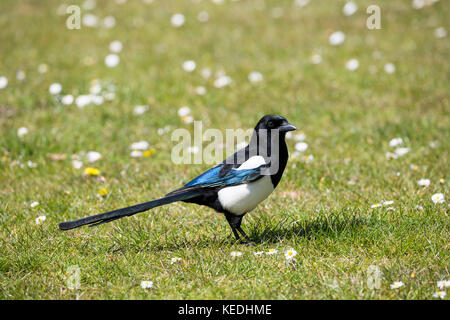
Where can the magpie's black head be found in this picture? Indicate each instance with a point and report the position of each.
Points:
(274, 122)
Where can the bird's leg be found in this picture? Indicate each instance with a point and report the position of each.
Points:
(244, 235)
(232, 222)
(235, 233)
(235, 224)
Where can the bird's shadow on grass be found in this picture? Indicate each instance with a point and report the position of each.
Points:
(321, 227)
(261, 232)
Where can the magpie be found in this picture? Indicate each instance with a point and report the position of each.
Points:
(234, 187)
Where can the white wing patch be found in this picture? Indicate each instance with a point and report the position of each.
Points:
(245, 197)
(252, 163)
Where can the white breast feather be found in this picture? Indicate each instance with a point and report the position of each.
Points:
(245, 197)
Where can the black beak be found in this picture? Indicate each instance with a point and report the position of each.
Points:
(287, 127)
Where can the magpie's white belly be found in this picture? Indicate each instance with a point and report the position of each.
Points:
(243, 198)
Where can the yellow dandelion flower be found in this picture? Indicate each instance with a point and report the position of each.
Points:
(103, 192)
(148, 153)
(92, 171)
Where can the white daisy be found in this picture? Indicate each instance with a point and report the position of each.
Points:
(376, 205)
(3, 82)
(188, 119)
(40, 219)
(258, 253)
(389, 68)
(349, 8)
(424, 182)
(387, 203)
(42, 68)
(177, 20)
(115, 46)
(20, 75)
(138, 110)
(136, 154)
(83, 100)
(109, 22)
(67, 99)
(443, 284)
(397, 285)
(140, 145)
(336, 38)
(31, 164)
(34, 204)
(439, 294)
(146, 284)
(184, 111)
(93, 156)
(272, 251)
(112, 60)
(55, 88)
(433, 144)
(175, 260)
(308, 159)
(440, 32)
(255, 76)
(200, 90)
(401, 151)
(22, 131)
(161, 131)
(206, 73)
(222, 81)
(77, 164)
(395, 142)
(391, 155)
(301, 146)
(290, 254)
(352, 64)
(90, 20)
(236, 253)
(96, 99)
(438, 198)
(418, 4)
(96, 87)
(189, 65)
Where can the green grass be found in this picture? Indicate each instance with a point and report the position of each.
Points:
(348, 118)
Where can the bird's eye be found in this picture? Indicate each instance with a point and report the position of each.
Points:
(270, 124)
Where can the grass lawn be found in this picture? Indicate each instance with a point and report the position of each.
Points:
(323, 205)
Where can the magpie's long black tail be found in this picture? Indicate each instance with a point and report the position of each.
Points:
(128, 211)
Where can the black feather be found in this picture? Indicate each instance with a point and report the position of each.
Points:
(128, 211)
